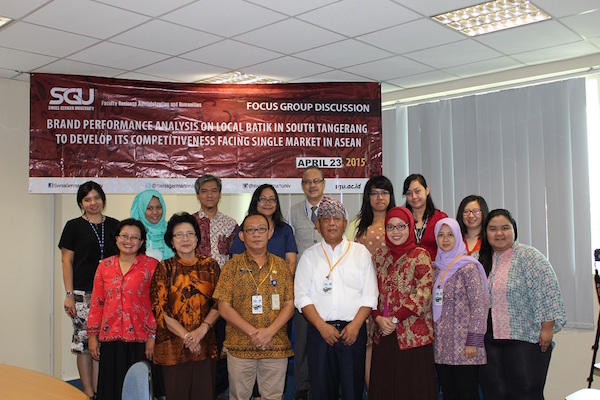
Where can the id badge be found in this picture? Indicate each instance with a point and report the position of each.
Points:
(327, 286)
(275, 302)
(438, 296)
(257, 304)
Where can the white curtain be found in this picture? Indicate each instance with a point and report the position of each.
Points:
(523, 149)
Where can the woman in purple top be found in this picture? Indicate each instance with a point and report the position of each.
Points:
(460, 304)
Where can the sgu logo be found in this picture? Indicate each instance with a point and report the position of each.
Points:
(72, 96)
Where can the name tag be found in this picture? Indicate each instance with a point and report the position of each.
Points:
(438, 296)
(327, 286)
(257, 304)
(275, 302)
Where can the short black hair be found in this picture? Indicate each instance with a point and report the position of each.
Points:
(207, 178)
(176, 219)
(86, 188)
(251, 215)
(139, 225)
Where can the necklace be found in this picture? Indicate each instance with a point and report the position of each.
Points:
(420, 231)
(99, 237)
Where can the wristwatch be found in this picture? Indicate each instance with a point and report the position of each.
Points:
(394, 320)
(69, 294)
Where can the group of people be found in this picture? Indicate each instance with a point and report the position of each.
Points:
(414, 303)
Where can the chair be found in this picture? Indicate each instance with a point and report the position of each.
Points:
(138, 382)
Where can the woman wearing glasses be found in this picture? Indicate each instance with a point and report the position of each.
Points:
(265, 201)
(402, 365)
(182, 301)
(472, 211)
(120, 314)
(378, 199)
(420, 203)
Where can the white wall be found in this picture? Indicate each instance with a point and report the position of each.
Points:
(31, 289)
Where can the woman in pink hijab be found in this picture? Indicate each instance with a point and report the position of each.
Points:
(460, 303)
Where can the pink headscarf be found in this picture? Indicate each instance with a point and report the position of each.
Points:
(443, 260)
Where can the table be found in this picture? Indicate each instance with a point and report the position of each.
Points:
(24, 384)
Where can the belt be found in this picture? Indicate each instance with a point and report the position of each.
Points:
(338, 324)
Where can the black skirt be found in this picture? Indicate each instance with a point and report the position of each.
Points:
(115, 360)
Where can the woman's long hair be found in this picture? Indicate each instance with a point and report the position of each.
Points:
(253, 207)
(429, 206)
(461, 208)
(365, 215)
(486, 252)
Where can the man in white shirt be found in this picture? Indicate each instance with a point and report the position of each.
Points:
(336, 289)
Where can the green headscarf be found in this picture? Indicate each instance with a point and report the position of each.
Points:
(155, 232)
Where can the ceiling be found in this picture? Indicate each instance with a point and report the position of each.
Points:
(393, 42)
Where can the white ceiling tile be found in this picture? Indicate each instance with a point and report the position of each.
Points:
(17, 9)
(387, 88)
(225, 18)
(144, 77)
(21, 60)
(431, 8)
(484, 67)
(98, 20)
(383, 70)
(290, 36)
(561, 8)
(586, 25)
(412, 36)
(231, 55)
(78, 68)
(151, 36)
(8, 73)
(452, 54)
(556, 53)
(153, 8)
(292, 7)
(344, 54)
(529, 37)
(286, 68)
(357, 17)
(332, 76)
(182, 70)
(428, 78)
(37, 39)
(117, 56)
(595, 42)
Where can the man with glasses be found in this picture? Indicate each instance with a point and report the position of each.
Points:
(256, 297)
(336, 289)
(302, 217)
(217, 231)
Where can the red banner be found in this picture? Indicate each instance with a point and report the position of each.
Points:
(89, 128)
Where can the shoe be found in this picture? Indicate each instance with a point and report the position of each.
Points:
(302, 395)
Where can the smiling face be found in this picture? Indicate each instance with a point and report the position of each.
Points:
(472, 215)
(313, 185)
(500, 234)
(129, 240)
(184, 239)
(416, 195)
(445, 238)
(332, 228)
(154, 211)
(255, 233)
(267, 202)
(397, 231)
(92, 203)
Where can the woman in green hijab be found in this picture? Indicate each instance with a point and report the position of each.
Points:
(149, 207)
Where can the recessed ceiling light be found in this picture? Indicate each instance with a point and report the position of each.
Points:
(492, 16)
(4, 21)
(238, 77)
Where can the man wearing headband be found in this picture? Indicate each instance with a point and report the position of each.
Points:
(336, 289)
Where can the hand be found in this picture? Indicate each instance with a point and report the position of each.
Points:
(190, 341)
(545, 338)
(94, 347)
(150, 349)
(350, 333)
(70, 305)
(470, 351)
(329, 333)
(385, 324)
(261, 338)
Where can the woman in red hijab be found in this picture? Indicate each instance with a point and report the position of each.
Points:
(402, 365)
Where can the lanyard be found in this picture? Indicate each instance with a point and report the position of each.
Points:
(447, 269)
(264, 279)
(100, 240)
(331, 268)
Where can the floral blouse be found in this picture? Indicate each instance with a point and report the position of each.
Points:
(406, 286)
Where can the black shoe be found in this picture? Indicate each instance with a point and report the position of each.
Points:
(302, 395)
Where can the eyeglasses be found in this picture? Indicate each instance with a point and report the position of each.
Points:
(399, 227)
(251, 231)
(383, 193)
(315, 181)
(267, 200)
(181, 235)
(475, 212)
(132, 238)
